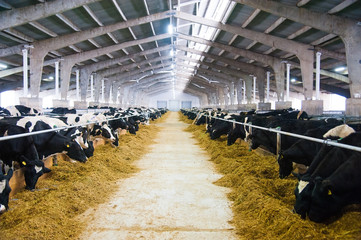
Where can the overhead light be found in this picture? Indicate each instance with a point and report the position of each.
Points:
(3, 66)
(293, 80)
(340, 69)
(170, 29)
(171, 52)
(51, 78)
(172, 66)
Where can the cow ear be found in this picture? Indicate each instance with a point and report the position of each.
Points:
(9, 174)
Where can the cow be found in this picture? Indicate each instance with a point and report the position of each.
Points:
(94, 130)
(21, 110)
(341, 188)
(327, 160)
(268, 139)
(23, 151)
(303, 151)
(5, 190)
(62, 111)
(53, 142)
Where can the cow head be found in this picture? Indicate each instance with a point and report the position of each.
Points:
(285, 166)
(33, 170)
(90, 150)
(325, 203)
(303, 192)
(75, 151)
(5, 190)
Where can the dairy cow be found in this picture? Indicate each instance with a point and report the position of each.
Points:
(23, 151)
(5, 190)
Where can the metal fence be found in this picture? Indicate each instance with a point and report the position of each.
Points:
(323, 141)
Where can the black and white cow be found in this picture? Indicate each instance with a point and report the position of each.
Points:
(21, 110)
(101, 129)
(62, 111)
(47, 144)
(5, 190)
(23, 151)
(343, 187)
(303, 151)
(325, 163)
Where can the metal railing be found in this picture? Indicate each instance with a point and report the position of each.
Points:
(323, 141)
(4, 138)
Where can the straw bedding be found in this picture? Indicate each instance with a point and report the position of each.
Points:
(262, 202)
(71, 188)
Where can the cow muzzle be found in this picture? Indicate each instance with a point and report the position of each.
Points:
(2, 208)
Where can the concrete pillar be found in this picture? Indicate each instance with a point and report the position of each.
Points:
(114, 92)
(97, 86)
(231, 93)
(283, 105)
(264, 106)
(306, 62)
(107, 85)
(65, 73)
(77, 85)
(318, 66)
(268, 82)
(25, 72)
(244, 91)
(220, 96)
(254, 88)
(248, 81)
(36, 70)
(261, 75)
(280, 80)
(239, 91)
(312, 107)
(84, 83)
(57, 79)
(91, 87)
(226, 96)
(288, 81)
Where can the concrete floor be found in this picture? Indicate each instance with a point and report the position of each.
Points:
(172, 197)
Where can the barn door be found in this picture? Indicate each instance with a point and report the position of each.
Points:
(186, 104)
(173, 105)
(161, 104)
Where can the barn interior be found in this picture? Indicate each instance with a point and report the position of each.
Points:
(236, 55)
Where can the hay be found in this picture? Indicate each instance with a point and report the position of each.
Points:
(50, 211)
(262, 202)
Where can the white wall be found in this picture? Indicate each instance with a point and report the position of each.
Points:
(169, 96)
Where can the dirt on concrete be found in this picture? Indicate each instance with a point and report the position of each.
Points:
(171, 197)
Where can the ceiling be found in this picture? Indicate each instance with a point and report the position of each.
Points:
(203, 59)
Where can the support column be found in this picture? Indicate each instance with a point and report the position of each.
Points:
(283, 104)
(262, 105)
(254, 89)
(247, 95)
(318, 66)
(91, 87)
(239, 91)
(84, 83)
(352, 42)
(57, 79)
(25, 72)
(106, 90)
(65, 73)
(280, 80)
(268, 81)
(77, 85)
(36, 70)
(288, 81)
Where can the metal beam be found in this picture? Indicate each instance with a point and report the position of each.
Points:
(24, 15)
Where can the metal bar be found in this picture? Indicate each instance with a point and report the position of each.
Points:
(268, 78)
(55, 129)
(323, 141)
(288, 82)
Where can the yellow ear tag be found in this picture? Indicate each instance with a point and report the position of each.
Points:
(24, 163)
(67, 145)
(329, 192)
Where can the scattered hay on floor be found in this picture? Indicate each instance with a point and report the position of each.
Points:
(262, 202)
(50, 211)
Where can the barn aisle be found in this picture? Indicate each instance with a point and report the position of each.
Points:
(172, 197)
